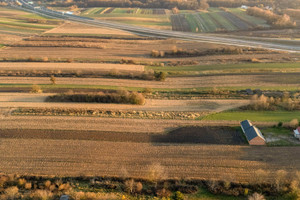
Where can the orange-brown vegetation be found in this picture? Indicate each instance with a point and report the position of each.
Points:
(270, 103)
(277, 21)
(121, 96)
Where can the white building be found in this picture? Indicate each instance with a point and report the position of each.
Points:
(297, 133)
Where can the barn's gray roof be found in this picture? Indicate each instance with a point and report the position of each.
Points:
(253, 132)
(246, 124)
(250, 131)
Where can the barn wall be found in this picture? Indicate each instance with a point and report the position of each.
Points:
(257, 141)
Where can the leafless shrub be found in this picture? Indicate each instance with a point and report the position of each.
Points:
(21, 182)
(45, 59)
(256, 196)
(12, 193)
(280, 179)
(156, 172)
(260, 176)
(294, 123)
(36, 89)
(28, 186)
(53, 80)
(42, 194)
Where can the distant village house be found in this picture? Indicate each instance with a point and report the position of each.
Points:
(252, 133)
(297, 133)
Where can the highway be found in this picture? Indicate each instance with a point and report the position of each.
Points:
(255, 42)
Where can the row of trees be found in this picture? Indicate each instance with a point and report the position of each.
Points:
(278, 4)
(270, 103)
(169, 4)
(122, 96)
(277, 21)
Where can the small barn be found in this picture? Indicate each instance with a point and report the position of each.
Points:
(252, 133)
(297, 133)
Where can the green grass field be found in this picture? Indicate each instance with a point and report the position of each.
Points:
(134, 16)
(22, 23)
(261, 116)
(218, 20)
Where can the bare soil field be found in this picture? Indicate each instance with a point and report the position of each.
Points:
(102, 67)
(102, 158)
(183, 135)
(171, 82)
(76, 28)
(9, 39)
(137, 50)
(203, 135)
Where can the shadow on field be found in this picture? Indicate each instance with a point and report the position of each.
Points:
(183, 135)
(203, 135)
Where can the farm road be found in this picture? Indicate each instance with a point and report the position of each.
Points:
(69, 66)
(29, 100)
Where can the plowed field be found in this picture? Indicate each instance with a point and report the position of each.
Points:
(82, 157)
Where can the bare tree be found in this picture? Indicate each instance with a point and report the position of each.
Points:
(256, 196)
(53, 79)
(203, 5)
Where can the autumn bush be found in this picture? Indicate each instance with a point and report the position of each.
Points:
(178, 52)
(122, 96)
(277, 21)
(263, 102)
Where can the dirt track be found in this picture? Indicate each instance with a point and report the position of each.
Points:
(80, 157)
(69, 66)
(29, 100)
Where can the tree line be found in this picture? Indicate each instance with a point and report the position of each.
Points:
(167, 4)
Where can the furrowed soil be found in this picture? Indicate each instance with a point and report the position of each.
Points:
(104, 158)
(188, 135)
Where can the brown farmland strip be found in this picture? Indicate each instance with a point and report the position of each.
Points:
(81, 157)
(288, 79)
(69, 66)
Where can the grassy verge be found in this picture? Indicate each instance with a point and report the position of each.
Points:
(262, 116)
(192, 91)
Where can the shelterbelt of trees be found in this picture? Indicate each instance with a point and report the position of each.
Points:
(272, 3)
(168, 4)
(181, 4)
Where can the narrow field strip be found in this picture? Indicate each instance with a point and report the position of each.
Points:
(230, 81)
(69, 66)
